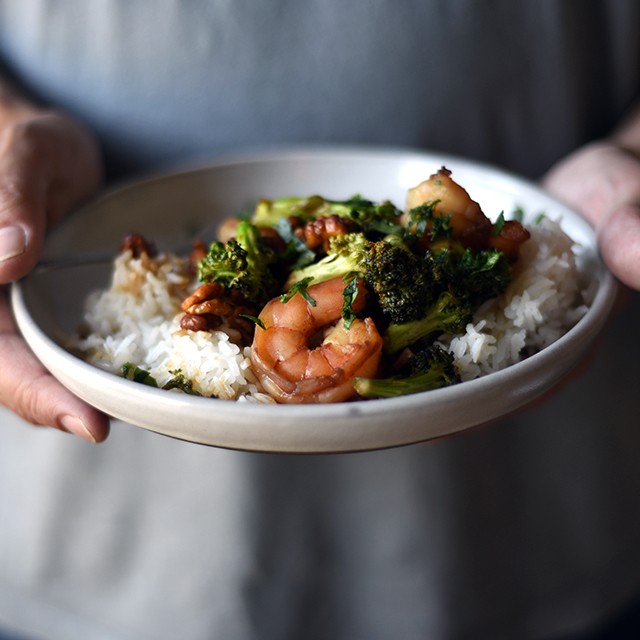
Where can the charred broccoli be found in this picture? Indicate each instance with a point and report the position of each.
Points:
(476, 275)
(485, 274)
(400, 279)
(243, 263)
(430, 368)
(448, 314)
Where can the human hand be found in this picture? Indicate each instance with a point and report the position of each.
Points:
(48, 164)
(602, 181)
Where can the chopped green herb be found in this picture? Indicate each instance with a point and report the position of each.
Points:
(137, 374)
(297, 254)
(253, 319)
(498, 224)
(301, 288)
(180, 382)
(441, 229)
(540, 217)
(518, 214)
(350, 293)
(421, 216)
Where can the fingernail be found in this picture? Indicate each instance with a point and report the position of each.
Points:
(12, 242)
(74, 425)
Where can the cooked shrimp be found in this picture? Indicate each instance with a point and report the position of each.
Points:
(468, 223)
(305, 354)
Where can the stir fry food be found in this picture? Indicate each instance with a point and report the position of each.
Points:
(312, 300)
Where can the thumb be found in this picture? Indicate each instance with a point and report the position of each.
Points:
(48, 164)
(22, 203)
(22, 223)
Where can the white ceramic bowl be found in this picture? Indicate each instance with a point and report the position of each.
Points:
(168, 208)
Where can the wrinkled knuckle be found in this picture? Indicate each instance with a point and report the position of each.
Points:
(26, 401)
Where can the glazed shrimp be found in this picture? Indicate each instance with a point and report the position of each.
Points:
(290, 363)
(469, 225)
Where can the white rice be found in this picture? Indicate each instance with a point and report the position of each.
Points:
(137, 320)
(544, 300)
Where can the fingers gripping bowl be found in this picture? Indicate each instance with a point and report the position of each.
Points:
(168, 209)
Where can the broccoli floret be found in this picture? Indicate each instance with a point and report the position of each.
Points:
(481, 275)
(476, 275)
(243, 263)
(428, 369)
(344, 260)
(371, 217)
(400, 280)
(368, 216)
(450, 284)
(345, 256)
(448, 314)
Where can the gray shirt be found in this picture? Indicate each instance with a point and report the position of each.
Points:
(527, 528)
(518, 84)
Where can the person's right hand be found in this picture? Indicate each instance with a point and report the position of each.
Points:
(49, 164)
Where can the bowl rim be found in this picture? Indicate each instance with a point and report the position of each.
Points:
(580, 335)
